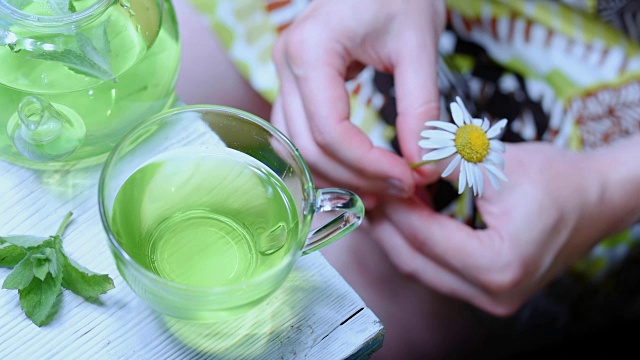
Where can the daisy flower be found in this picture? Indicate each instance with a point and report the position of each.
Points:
(474, 144)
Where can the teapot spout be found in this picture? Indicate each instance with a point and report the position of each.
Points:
(32, 110)
(43, 132)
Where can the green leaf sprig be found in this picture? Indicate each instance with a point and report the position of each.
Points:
(41, 269)
(92, 57)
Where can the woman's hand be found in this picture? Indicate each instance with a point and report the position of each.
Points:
(556, 205)
(315, 56)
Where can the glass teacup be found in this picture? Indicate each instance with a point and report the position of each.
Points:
(207, 209)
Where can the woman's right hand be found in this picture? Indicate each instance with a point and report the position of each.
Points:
(317, 54)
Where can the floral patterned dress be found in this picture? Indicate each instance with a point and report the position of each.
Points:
(563, 71)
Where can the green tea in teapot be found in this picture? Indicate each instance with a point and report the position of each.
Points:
(75, 76)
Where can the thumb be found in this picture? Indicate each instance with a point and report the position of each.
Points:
(417, 100)
(429, 173)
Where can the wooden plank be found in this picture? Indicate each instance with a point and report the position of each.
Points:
(346, 340)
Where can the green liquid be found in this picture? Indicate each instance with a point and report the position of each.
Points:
(206, 219)
(144, 62)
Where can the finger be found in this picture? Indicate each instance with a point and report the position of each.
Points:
(278, 120)
(422, 268)
(320, 77)
(476, 255)
(417, 95)
(291, 116)
(277, 117)
(320, 162)
(370, 200)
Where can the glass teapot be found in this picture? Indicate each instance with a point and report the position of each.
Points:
(76, 75)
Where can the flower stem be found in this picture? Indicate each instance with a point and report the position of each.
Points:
(417, 165)
(64, 223)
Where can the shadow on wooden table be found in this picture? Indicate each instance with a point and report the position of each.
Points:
(252, 335)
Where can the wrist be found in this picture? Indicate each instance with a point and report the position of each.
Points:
(615, 170)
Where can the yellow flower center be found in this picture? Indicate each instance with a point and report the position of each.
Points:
(472, 143)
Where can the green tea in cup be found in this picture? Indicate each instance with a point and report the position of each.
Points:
(221, 212)
(207, 208)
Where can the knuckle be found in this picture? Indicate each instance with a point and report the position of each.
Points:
(309, 151)
(410, 106)
(407, 269)
(322, 137)
(296, 47)
(504, 278)
(290, 48)
(297, 36)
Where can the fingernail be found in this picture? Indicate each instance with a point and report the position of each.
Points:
(398, 188)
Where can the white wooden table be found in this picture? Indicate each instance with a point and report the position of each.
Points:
(315, 315)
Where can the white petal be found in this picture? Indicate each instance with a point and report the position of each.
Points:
(442, 125)
(435, 143)
(437, 134)
(469, 171)
(477, 122)
(496, 129)
(496, 145)
(456, 114)
(470, 178)
(479, 179)
(495, 158)
(493, 179)
(462, 178)
(466, 117)
(485, 125)
(439, 154)
(452, 165)
(495, 171)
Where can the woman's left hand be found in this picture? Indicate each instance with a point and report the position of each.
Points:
(556, 205)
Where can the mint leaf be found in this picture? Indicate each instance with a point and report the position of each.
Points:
(101, 41)
(41, 268)
(84, 282)
(44, 262)
(92, 57)
(11, 255)
(37, 299)
(96, 48)
(25, 241)
(60, 7)
(20, 276)
(76, 62)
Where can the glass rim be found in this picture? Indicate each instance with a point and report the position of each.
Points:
(50, 23)
(309, 189)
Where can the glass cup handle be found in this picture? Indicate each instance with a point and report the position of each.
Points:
(331, 199)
